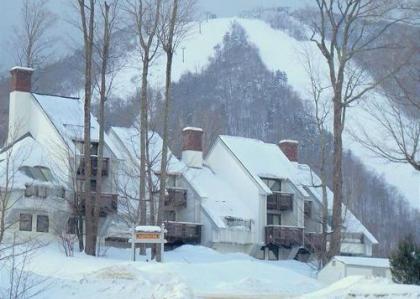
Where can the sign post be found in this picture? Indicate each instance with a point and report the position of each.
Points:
(147, 235)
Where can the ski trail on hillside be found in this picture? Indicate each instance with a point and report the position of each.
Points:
(279, 51)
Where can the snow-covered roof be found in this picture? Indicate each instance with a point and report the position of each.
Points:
(67, 115)
(311, 181)
(218, 198)
(148, 228)
(23, 152)
(262, 160)
(129, 139)
(363, 261)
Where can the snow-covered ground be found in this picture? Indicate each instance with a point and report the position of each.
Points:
(361, 287)
(279, 51)
(188, 272)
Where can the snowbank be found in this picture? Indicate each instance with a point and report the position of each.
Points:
(189, 271)
(361, 287)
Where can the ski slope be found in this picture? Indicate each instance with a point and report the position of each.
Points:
(279, 51)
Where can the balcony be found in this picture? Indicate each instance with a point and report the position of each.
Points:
(182, 232)
(108, 203)
(279, 201)
(287, 236)
(313, 241)
(94, 165)
(176, 198)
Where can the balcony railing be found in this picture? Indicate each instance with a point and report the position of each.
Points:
(94, 165)
(283, 235)
(279, 201)
(313, 241)
(176, 198)
(108, 203)
(183, 232)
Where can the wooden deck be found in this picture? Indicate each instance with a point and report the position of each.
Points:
(313, 241)
(177, 198)
(94, 165)
(109, 203)
(182, 232)
(286, 236)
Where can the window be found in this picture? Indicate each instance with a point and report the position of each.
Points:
(171, 181)
(42, 223)
(46, 172)
(30, 190)
(39, 173)
(93, 185)
(273, 184)
(25, 222)
(237, 222)
(273, 219)
(93, 148)
(170, 215)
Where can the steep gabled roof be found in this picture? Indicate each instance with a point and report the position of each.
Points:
(262, 159)
(311, 181)
(218, 198)
(67, 116)
(130, 139)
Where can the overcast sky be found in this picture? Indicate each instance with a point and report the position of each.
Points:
(9, 17)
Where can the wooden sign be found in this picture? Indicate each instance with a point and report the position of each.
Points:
(147, 236)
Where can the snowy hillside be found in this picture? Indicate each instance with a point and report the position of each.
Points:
(279, 51)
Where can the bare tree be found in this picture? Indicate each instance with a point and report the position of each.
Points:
(11, 159)
(398, 137)
(175, 17)
(322, 105)
(30, 39)
(145, 15)
(109, 16)
(342, 30)
(21, 282)
(87, 15)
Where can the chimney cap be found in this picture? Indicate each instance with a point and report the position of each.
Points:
(192, 129)
(22, 68)
(288, 141)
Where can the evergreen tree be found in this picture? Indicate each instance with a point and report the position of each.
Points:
(405, 262)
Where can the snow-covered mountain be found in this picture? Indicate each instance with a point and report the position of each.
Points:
(279, 51)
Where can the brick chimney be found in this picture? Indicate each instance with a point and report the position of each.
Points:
(192, 147)
(21, 79)
(290, 149)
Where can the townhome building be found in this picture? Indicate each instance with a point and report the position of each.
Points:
(42, 163)
(244, 195)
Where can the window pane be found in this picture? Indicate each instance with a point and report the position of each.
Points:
(170, 216)
(42, 224)
(25, 222)
(171, 181)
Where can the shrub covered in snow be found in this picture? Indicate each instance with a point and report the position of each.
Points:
(405, 262)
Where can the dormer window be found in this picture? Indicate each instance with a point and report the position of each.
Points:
(273, 184)
(39, 173)
(171, 181)
(93, 147)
